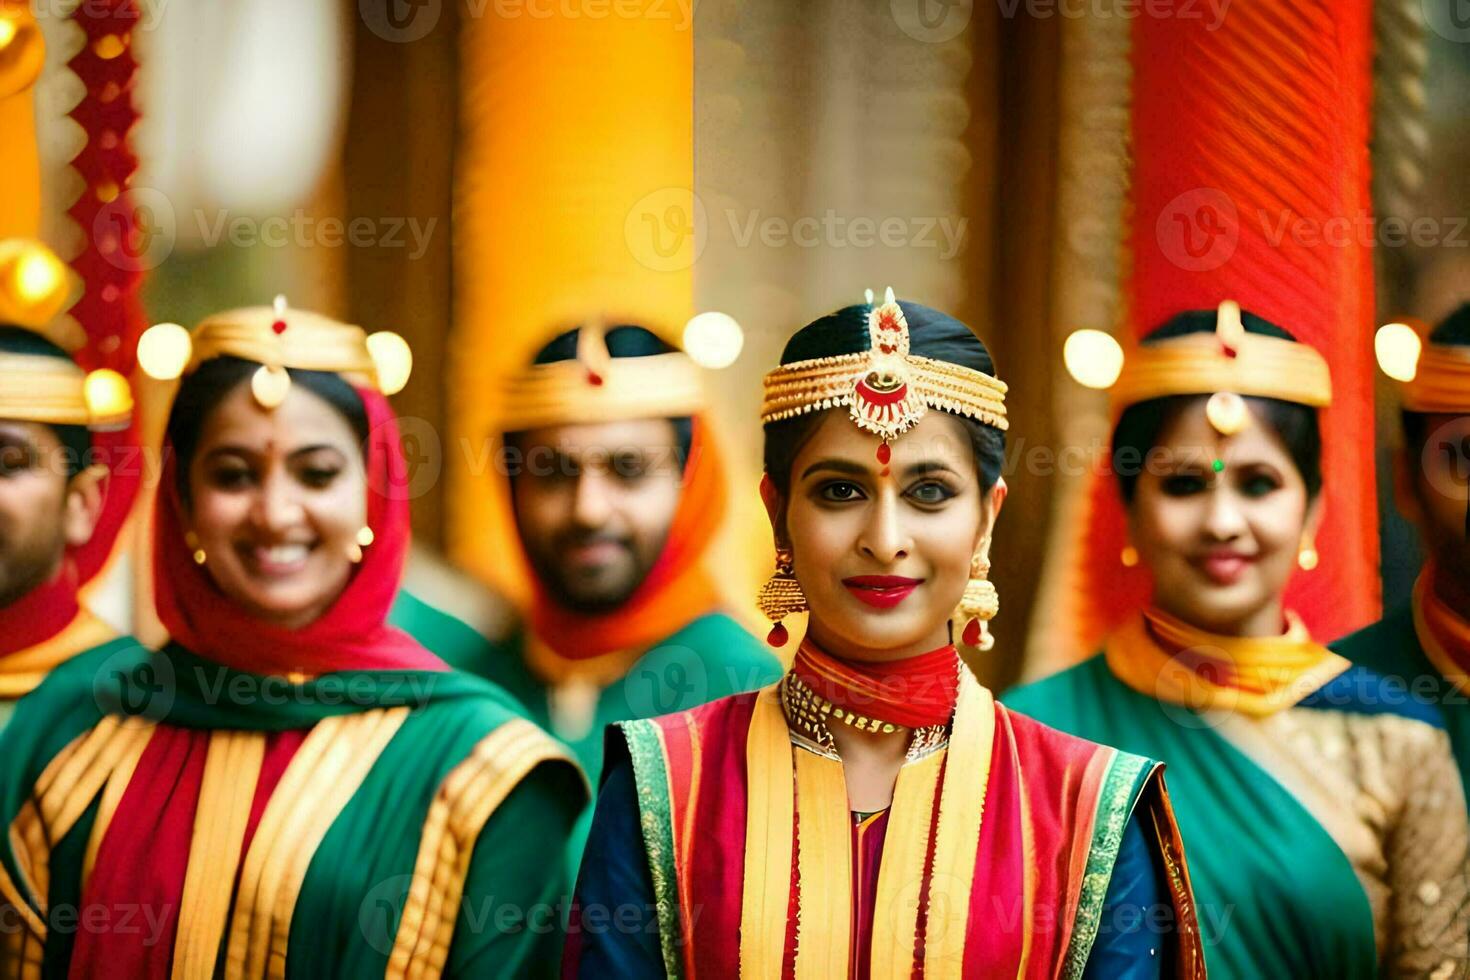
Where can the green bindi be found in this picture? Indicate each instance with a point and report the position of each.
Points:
(1219, 465)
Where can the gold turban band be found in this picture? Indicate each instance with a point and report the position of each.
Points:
(1441, 382)
(278, 338)
(37, 387)
(597, 387)
(886, 389)
(1228, 365)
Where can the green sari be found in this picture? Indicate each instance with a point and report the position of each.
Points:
(1276, 895)
(421, 836)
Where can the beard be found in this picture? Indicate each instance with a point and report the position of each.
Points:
(590, 589)
(26, 566)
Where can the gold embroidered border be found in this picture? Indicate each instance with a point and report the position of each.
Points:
(322, 777)
(62, 794)
(466, 798)
(901, 872)
(770, 812)
(957, 840)
(231, 771)
(824, 869)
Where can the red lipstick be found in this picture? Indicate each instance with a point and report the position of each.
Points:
(882, 591)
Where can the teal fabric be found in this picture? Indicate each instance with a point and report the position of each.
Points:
(358, 878)
(454, 641)
(710, 658)
(1276, 895)
(1391, 647)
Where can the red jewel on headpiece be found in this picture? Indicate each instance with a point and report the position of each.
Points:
(279, 327)
(594, 379)
(885, 453)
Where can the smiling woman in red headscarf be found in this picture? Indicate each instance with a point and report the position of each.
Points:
(290, 787)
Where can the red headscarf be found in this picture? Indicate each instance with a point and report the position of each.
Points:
(50, 607)
(352, 635)
(678, 589)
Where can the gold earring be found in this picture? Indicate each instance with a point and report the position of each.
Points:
(192, 540)
(781, 596)
(1128, 556)
(364, 538)
(1307, 558)
(980, 602)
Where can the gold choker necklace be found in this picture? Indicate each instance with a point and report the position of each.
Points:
(807, 712)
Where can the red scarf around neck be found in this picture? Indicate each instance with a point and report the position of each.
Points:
(915, 692)
(50, 607)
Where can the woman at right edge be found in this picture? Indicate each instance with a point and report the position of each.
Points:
(1321, 807)
(876, 813)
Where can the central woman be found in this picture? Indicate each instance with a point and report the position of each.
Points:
(876, 813)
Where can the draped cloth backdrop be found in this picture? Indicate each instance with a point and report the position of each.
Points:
(1250, 181)
(574, 198)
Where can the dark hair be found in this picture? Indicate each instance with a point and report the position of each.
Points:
(1453, 331)
(201, 392)
(1140, 425)
(932, 334)
(76, 441)
(624, 340)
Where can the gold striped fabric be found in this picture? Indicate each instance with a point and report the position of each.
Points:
(231, 772)
(466, 798)
(321, 778)
(62, 794)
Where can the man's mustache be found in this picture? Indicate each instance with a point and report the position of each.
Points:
(567, 542)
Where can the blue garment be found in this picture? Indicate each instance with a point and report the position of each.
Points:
(621, 937)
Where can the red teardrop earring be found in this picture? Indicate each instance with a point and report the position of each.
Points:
(780, 597)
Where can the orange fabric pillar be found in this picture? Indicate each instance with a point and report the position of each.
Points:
(22, 55)
(574, 198)
(1251, 182)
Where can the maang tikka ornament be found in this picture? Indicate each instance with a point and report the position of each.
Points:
(886, 389)
(780, 597)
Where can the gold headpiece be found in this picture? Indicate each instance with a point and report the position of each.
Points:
(597, 387)
(1435, 377)
(278, 338)
(1228, 365)
(35, 387)
(886, 389)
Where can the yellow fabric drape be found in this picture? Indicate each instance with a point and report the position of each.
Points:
(574, 198)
